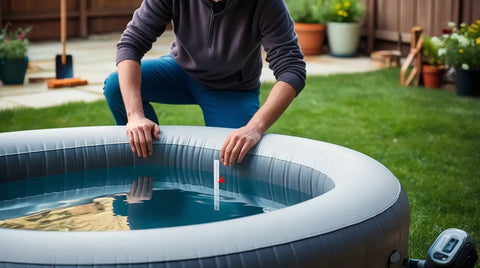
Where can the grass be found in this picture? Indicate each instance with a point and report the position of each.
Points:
(429, 139)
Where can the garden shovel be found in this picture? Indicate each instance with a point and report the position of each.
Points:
(64, 62)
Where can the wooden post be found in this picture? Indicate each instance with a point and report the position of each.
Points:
(63, 29)
(465, 14)
(417, 43)
(415, 58)
(371, 25)
(82, 19)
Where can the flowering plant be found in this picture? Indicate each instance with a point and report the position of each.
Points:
(344, 11)
(430, 49)
(305, 11)
(462, 47)
(13, 43)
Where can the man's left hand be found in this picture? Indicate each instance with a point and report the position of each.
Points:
(238, 143)
(241, 140)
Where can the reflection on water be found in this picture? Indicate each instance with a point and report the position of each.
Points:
(130, 198)
(165, 208)
(95, 216)
(174, 207)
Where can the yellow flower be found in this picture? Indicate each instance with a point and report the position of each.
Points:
(347, 4)
(472, 30)
(342, 13)
(460, 51)
(474, 26)
(477, 41)
(478, 21)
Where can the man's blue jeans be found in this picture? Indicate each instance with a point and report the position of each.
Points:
(164, 81)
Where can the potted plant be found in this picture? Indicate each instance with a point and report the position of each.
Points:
(343, 26)
(433, 68)
(462, 51)
(13, 55)
(309, 24)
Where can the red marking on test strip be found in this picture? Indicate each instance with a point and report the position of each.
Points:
(221, 180)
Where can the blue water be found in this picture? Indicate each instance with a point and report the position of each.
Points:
(175, 207)
(148, 196)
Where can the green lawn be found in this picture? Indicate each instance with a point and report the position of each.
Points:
(429, 139)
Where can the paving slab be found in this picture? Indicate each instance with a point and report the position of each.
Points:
(46, 98)
(5, 104)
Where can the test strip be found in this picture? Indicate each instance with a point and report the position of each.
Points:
(216, 189)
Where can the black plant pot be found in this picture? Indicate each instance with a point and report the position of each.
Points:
(468, 82)
(13, 72)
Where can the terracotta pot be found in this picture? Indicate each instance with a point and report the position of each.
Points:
(310, 37)
(433, 76)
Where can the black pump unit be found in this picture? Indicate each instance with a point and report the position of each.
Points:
(453, 248)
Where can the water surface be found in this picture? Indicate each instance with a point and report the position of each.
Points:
(136, 197)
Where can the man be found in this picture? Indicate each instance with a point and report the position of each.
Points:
(215, 62)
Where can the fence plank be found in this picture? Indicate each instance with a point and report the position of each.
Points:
(112, 5)
(475, 11)
(1, 13)
(371, 10)
(84, 16)
(402, 15)
(470, 11)
(83, 19)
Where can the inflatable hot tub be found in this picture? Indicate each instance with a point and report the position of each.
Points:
(358, 214)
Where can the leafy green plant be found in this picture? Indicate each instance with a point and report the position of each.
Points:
(430, 48)
(462, 46)
(305, 11)
(343, 11)
(13, 43)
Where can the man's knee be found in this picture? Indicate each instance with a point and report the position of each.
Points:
(111, 88)
(113, 96)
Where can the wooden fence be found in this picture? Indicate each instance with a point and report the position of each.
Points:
(85, 17)
(387, 19)
(383, 22)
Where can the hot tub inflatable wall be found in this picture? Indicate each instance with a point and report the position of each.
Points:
(358, 217)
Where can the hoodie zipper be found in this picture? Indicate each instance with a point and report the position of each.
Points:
(213, 27)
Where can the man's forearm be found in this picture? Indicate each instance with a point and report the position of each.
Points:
(280, 97)
(139, 129)
(129, 77)
(241, 140)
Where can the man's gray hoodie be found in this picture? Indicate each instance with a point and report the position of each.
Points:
(221, 51)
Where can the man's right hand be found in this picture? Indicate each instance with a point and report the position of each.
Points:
(140, 131)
